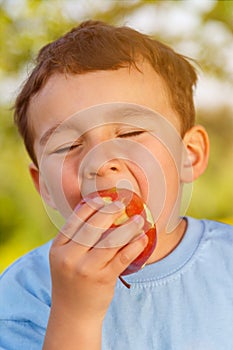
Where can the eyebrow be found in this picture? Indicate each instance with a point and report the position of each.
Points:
(56, 129)
(128, 112)
(136, 111)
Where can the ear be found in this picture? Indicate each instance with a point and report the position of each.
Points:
(40, 185)
(196, 153)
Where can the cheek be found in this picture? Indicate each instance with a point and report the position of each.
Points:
(169, 159)
(141, 178)
(71, 191)
(70, 183)
(62, 185)
(170, 168)
(163, 179)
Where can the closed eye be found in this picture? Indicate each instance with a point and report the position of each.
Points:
(67, 149)
(132, 133)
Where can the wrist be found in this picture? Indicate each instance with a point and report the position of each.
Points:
(65, 331)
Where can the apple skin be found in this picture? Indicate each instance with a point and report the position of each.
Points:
(133, 205)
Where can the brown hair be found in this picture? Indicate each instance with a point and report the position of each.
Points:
(94, 46)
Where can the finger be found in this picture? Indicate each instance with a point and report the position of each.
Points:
(113, 260)
(90, 232)
(99, 257)
(128, 254)
(123, 234)
(75, 221)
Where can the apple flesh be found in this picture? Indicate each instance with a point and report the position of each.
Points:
(134, 205)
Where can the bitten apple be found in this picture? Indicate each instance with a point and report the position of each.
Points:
(134, 205)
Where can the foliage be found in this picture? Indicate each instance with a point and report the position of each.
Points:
(212, 194)
(26, 25)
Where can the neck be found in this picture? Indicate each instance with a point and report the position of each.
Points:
(167, 242)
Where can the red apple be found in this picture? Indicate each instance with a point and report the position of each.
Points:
(133, 205)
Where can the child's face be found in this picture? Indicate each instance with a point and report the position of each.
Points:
(109, 147)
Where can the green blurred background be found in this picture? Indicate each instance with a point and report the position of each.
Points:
(200, 29)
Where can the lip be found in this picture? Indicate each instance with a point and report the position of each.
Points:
(130, 182)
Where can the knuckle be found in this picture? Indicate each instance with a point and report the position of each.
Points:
(66, 264)
(124, 258)
(83, 270)
(109, 242)
(103, 279)
(131, 251)
(90, 227)
(61, 264)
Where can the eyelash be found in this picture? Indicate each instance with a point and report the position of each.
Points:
(128, 134)
(132, 133)
(67, 149)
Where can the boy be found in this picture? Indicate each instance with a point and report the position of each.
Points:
(100, 104)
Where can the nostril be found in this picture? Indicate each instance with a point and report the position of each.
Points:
(90, 175)
(92, 170)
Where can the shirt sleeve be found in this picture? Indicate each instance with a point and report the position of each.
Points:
(25, 300)
(20, 335)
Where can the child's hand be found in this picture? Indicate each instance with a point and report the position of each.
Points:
(83, 274)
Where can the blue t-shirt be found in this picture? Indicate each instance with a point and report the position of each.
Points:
(182, 302)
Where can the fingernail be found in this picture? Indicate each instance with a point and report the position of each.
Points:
(139, 220)
(119, 204)
(144, 239)
(98, 200)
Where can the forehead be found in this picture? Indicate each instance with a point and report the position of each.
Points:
(65, 95)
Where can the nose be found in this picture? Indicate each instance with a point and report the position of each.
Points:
(97, 169)
(104, 166)
(103, 160)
